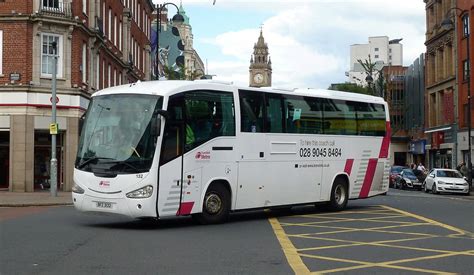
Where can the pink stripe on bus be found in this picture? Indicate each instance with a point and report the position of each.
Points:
(386, 141)
(369, 177)
(348, 167)
(185, 208)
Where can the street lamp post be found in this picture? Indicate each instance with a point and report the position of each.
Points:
(176, 18)
(447, 23)
(369, 79)
(53, 128)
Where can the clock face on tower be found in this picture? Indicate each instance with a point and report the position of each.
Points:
(258, 78)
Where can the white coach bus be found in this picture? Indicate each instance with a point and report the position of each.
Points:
(202, 148)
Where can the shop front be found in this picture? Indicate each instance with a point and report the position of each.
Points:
(417, 149)
(4, 158)
(441, 148)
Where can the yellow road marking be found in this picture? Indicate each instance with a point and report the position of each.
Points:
(289, 249)
(449, 227)
(375, 219)
(294, 255)
(350, 229)
(363, 264)
(377, 243)
(346, 212)
(354, 243)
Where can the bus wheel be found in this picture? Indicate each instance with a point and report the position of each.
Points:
(339, 195)
(216, 205)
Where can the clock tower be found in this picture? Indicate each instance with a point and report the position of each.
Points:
(260, 65)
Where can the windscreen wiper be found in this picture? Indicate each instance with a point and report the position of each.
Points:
(85, 162)
(130, 165)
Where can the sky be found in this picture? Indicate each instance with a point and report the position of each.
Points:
(308, 40)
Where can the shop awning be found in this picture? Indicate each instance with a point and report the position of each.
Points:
(437, 130)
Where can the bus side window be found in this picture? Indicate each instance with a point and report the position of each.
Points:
(274, 120)
(252, 111)
(209, 114)
(302, 114)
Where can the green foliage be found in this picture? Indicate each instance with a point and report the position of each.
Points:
(350, 87)
(172, 74)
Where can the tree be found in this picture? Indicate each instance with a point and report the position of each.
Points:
(369, 69)
(350, 87)
(175, 74)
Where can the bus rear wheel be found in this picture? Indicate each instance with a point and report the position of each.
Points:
(216, 205)
(339, 195)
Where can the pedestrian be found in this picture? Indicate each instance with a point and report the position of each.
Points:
(421, 167)
(463, 169)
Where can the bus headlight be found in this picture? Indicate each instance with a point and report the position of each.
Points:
(77, 189)
(144, 192)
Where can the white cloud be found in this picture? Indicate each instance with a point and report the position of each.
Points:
(309, 40)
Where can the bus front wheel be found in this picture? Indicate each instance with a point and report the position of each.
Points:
(339, 195)
(216, 205)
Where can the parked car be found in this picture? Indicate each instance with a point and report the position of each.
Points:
(445, 180)
(394, 171)
(407, 179)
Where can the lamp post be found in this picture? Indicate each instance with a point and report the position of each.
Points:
(176, 18)
(448, 24)
(53, 128)
(369, 79)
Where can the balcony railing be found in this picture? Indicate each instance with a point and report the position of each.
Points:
(56, 8)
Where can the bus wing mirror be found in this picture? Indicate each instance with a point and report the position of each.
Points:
(81, 122)
(155, 126)
(163, 113)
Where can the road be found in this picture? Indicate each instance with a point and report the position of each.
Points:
(402, 233)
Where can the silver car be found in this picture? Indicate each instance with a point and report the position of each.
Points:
(445, 180)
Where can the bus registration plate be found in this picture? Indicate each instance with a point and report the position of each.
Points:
(103, 204)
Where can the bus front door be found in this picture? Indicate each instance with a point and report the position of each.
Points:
(170, 186)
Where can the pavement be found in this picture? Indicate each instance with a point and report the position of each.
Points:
(40, 198)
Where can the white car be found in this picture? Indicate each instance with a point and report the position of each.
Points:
(445, 180)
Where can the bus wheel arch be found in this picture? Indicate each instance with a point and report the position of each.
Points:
(339, 193)
(216, 203)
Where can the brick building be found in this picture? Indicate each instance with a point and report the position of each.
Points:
(395, 95)
(100, 43)
(461, 22)
(440, 77)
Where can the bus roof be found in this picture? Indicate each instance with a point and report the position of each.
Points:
(169, 87)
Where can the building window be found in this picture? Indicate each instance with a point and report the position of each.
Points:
(109, 33)
(97, 72)
(51, 4)
(84, 63)
(376, 49)
(103, 17)
(47, 54)
(103, 74)
(115, 30)
(465, 25)
(465, 70)
(109, 82)
(376, 56)
(84, 6)
(1, 52)
(138, 17)
(120, 79)
(120, 35)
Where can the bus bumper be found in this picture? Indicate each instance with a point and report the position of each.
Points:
(134, 208)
